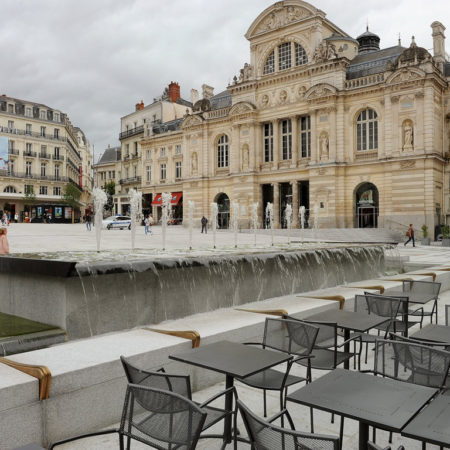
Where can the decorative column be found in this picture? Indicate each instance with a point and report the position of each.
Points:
(276, 142)
(276, 205)
(295, 204)
(314, 138)
(235, 151)
(295, 140)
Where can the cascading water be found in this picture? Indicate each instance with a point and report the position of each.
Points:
(136, 210)
(316, 219)
(269, 218)
(301, 213)
(166, 199)
(235, 220)
(254, 218)
(191, 208)
(288, 219)
(214, 214)
(100, 199)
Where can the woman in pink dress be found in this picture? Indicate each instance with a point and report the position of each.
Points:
(4, 245)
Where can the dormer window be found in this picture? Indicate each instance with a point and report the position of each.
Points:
(43, 115)
(284, 56)
(269, 66)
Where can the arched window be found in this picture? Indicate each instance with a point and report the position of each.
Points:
(300, 55)
(10, 189)
(367, 130)
(222, 151)
(269, 66)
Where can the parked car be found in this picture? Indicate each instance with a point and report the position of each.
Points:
(121, 222)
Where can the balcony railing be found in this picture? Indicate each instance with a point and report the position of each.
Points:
(29, 154)
(132, 132)
(13, 174)
(130, 180)
(45, 155)
(58, 157)
(32, 134)
(13, 151)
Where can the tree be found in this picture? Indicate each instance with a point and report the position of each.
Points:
(110, 189)
(29, 198)
(71, 195)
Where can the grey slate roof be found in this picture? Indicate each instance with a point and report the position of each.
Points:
(110, 155)
(373, 62)
(221, 100)
(336, 36)
(171, 125)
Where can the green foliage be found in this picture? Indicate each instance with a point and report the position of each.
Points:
(445, 230)
(71, 195)
(425, 231)
(29, 198)
(110, 187)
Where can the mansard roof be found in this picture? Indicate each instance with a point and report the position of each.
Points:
(221, 100)
(373, 62)
(110, 155)
(171, 125)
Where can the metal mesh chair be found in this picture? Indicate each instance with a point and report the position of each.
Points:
(447, 315)
(289, 336)
(373, 446)
(158, 418)
(381, 306)
(180, 384)
(264, 435)
(428, 288)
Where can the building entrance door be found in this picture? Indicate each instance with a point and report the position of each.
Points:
(223, 205)
(367, 209)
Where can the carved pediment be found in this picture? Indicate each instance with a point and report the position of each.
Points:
(279, 15)
(405, 75)
(241, 108)
(192, 121)
(322, 90)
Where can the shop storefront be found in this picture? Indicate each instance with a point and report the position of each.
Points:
(176, 203)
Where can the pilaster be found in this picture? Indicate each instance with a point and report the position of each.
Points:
(276, 205)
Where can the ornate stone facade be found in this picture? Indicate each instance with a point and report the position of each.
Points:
(319, 118)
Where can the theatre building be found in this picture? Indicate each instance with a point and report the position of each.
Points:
(320, 119)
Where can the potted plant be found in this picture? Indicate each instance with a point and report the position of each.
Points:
(445, 230)
(426, 240)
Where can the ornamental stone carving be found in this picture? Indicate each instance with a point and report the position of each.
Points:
(194, 163)
(324, 146)
(324, 52)
(407, 164)
(408, 136)
(264, 101)
(245, 157)
(281, 17)
(283, 96)
(246, 73)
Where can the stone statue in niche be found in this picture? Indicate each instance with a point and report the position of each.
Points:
(245, 157)
(194, 163)
(324, 147)
(324, 52)
(408, 136)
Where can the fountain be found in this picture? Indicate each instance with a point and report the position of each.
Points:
(100, 199)
(288, 219)
(214, 214)
(136, 212)
(235, 220)
(254, 218)
(269, 218)
(316, 219)
(301, 213)
(166, 199)
(191, 209)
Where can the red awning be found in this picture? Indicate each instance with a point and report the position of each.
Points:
(176, 197)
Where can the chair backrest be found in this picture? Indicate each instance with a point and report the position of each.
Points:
(431, 288)
(266, 436)
(379, 305)
(174, 421)
(404, 301)
(373, 446)
(290, 336)
(180, 384)
(403, 360)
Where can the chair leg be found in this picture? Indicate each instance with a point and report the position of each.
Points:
(374, 435)
(311, 413)
(265, 403)
(390, 437)
(341, 432)
(121, 447)
(367, 352)
(332, 417)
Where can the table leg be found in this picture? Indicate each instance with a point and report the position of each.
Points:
(347, 348)
(363, 435)
(227, 432)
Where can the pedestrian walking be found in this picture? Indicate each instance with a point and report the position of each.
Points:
(88, 222)
(150, 223)
(146, 225)
(4, 244)
(49, 218)
(16, 217)
(410, 234)
(204, 223)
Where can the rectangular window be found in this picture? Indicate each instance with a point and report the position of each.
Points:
(43, 190)
(135, 148)
(178, 149)
(149, 153)
(286, 139)
(43, 169)
(163, 152)
(42, 131)
(127, 173)
(56, 172)
(11, 167)
(10, 125)
(28, 148)
(56, 117)
(149, 173)
(56, 133)
(284, 56)
(11, 108)
(43, 115)
(305, 136)
(268, 142)
(178, 169)
(57, 190)
(56, 152)
(135, 171)
(28, 189)
(28, 129)
(28, 112)
(127, 149)
(113, 174)
(28, 169)
(10, 145)
(163, 171)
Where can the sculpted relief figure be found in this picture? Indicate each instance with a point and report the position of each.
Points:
(245, 157)
(246, 73)
(283, 96)
(324, 52)
(194, 163)
(264, 101)
(408, 136)
(324, 146)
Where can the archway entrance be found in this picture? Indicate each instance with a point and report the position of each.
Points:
(223, 205)
(366, 203)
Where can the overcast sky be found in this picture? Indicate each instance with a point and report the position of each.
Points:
(94, 59)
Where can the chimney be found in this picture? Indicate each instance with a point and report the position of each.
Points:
(194, 96)
(438, 44)
(138, 105)
(174, 91)
(207, 91)
(141, 105)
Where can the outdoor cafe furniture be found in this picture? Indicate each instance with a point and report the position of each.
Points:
(425, 290)
(432, 424)
(263, 434)
(287, 336)
(181, 384)
(234, 360)
(433, 334)
(158, 418)
(377, 306)
(373, 446)
(373, 401)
